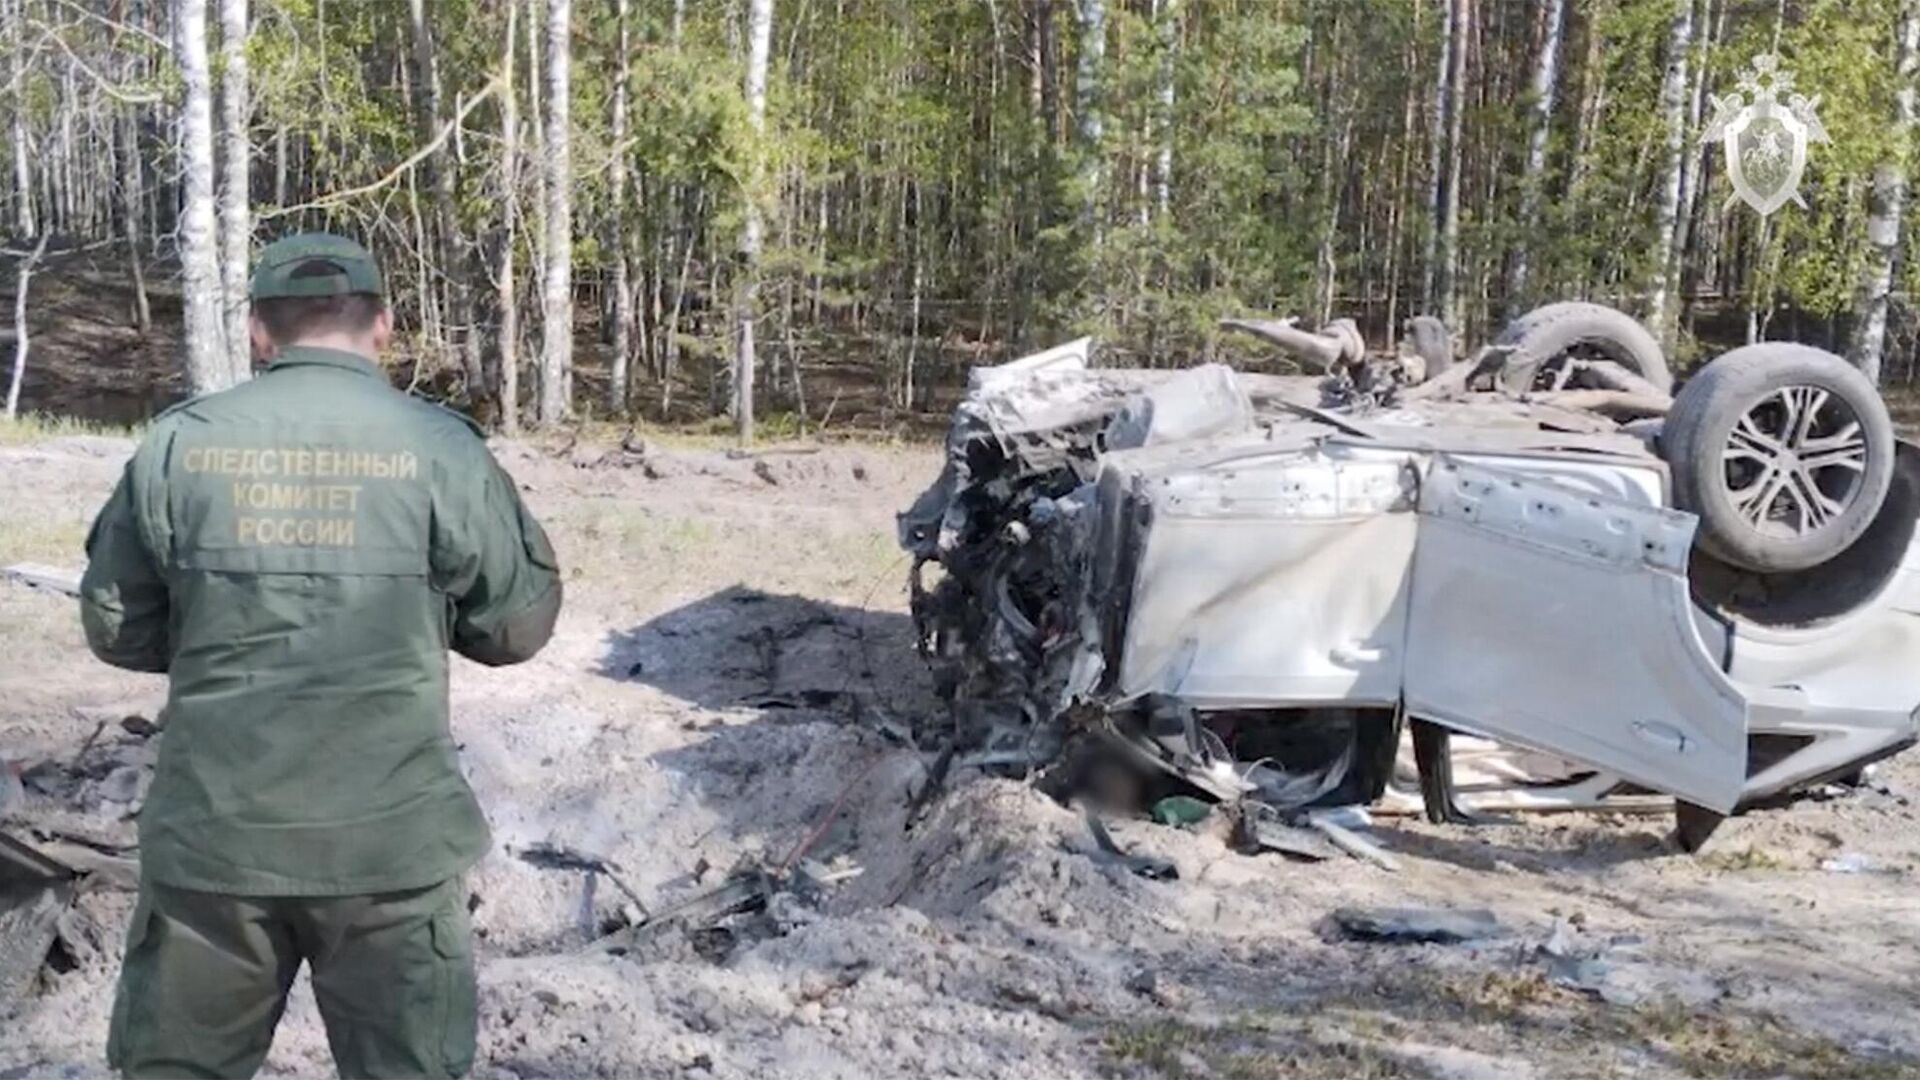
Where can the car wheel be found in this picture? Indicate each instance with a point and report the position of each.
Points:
(1543, 339)
(1784, 451)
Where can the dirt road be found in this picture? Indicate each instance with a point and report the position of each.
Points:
(731, 678)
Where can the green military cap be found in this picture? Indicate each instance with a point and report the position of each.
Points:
(314, 264)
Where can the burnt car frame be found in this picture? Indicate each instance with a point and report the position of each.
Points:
(1266, 585)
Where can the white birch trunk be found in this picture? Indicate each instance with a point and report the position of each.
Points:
(1889, 205)
(1546, 81)
(130, 210)
(23, 273)
(236, 223)
(747, 286)
(1461, 32)
(507, 365)
(916, 281)
(1673, 108)
(1088, 75)
(556, 331)
(535, 142)
(617, 226)
(1169, 16)
(426, 122)
(280, 166)
(23, 222)
(208, 368)
(133, 198)
(1437, 160)
(1705, 38)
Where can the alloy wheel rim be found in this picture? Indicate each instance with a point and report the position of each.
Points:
(1794, 461)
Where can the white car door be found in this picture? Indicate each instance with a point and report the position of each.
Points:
(1273, 579)
(1559, 619)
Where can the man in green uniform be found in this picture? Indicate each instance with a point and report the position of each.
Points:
(298, 554)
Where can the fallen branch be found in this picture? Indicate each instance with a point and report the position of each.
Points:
(399, 171)
(62, 253)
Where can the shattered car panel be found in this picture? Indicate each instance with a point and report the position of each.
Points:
(1207, 564)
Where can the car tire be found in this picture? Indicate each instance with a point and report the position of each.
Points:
(1545, 333)
(1742, 439)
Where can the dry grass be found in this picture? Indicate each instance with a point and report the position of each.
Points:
(1249, 1050)
(1747, 858)
(1547, 1022)
(1385, 1030)
(630, 551)
(33, 538)
(770, 431)
(36, 427)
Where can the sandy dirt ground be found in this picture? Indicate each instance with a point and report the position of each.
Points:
(728, 685)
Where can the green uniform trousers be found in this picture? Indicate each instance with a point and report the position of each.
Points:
(206, 975)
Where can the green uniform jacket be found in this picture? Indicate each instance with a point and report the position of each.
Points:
(298, 554)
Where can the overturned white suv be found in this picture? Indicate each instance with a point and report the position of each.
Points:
(1265, 584)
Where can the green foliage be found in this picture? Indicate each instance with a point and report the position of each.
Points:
(921, 170)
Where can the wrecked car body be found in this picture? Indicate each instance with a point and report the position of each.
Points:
(1265, 585)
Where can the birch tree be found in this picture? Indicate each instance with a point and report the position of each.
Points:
(1546, 79)
(207, 362)
(131, 211)
(1046, 75)
(1706, 35)
(132, 194)
(507, 335)
(617, 241)
(747, 285)
(1449, 286)
(1889, 204)
(17, 115)
(22, 275)
(1087, 93)
(1673, 110)
(1437, 158)
(236, 220)
(556, 330)
(956, 183)
(1168, 17)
